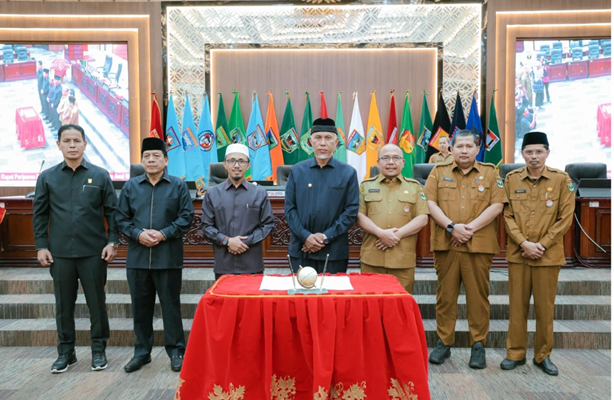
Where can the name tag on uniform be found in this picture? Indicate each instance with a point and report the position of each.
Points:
(520, 191)
(373, 190)
(448, 179)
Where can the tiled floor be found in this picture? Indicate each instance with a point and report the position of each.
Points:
(24, 375)
(570, 121)
(108, 147)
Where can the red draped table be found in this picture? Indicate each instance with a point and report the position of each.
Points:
(368, 343)
(30, 131)
(604, 123)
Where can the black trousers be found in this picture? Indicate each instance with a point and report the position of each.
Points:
(333, 266)
(66, 273)
(144, 284)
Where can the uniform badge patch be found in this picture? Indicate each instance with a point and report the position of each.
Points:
(549, 203)
(448, 179)
(500, 183)
(423, 196)
(406, 208)
(373, 190)
(520, 191)
(570, 187)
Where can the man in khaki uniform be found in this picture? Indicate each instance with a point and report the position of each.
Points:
(392, 210)
(444, 155)
(464, 197)
(542, 202)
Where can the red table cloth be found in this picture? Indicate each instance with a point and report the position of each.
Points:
(368, 343)
(604, 123)
(29, 127)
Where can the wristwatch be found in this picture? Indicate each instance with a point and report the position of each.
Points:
(225, 241)
(450, 227)
(325, 239)
(115, 245)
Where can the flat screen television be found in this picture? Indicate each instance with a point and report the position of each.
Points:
(563, 88)
(86, 84)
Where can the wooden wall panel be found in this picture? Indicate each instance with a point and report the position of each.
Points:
(330, 70)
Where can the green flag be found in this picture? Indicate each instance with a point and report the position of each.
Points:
(237, 128)
(424, 133)
(492, 143)
(288, 135)
(407, 139)
(306, 151)
(340, 153)
(221, 130)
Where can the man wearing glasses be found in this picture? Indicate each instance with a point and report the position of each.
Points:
(321, 204)
(392, 210)
(237, 217)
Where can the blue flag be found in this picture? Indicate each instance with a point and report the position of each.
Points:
(458, 120)
(191, 150)
(474, 123)
(206, 139)
(174, 150)
(259, 154)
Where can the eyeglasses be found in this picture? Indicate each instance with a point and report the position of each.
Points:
(396, 159)
(232, 161)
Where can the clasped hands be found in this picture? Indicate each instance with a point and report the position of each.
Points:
(236, 246)
(150, 237)
(532, 250)
(461, 234)
(314, 243)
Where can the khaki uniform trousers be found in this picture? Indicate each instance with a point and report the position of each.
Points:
(404, 275)
(473, 270)
(542, 282)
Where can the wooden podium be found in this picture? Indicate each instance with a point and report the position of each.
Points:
(595, 216)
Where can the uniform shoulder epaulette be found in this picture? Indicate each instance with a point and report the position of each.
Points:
(556, 170)
(446, 162)
(411, 180)
(515, 171)
(370, 179)
(487, 164)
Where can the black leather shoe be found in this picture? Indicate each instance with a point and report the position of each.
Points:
(547, 366)
(63, 362)
(478, 356)
(508, 364)
(441, 352)
(99, 361)
(136, 363)
(176, 363)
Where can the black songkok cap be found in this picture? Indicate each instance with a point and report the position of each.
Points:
(535, 138)
(324, 125)
(57, 77)
(153, 143)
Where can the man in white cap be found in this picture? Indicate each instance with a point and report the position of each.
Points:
(237, 217)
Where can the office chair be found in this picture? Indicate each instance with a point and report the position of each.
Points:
(422, 171)
(283, 171)
(505, 169)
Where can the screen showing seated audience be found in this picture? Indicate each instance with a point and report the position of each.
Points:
(83, 84)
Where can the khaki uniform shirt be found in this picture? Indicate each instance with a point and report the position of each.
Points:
(463, 198)
(538, 211)
(439, 158)
(391, 203)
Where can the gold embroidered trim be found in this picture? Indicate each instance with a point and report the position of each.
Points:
(401, 391)
(321, 394)
(232, 394)
(178, 390)
(356, 391)
(282, 388)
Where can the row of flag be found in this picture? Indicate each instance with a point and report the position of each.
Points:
(191, 150)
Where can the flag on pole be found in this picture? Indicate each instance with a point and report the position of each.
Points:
(2, 214)
(221, 130)
(458, 119)
(356, 146)
(474, 123)
(494, 153)
(259, 155)
(155, 126)
(375, 136)
(424, 132)
(272, 135)
(323, 110)
(441, 127)
(392, 136)
(191, 150)
(289, 137)
(235, 123)
(306, 150)
(174, 149)
(341, 152)
(407, 142)
(206, 141)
